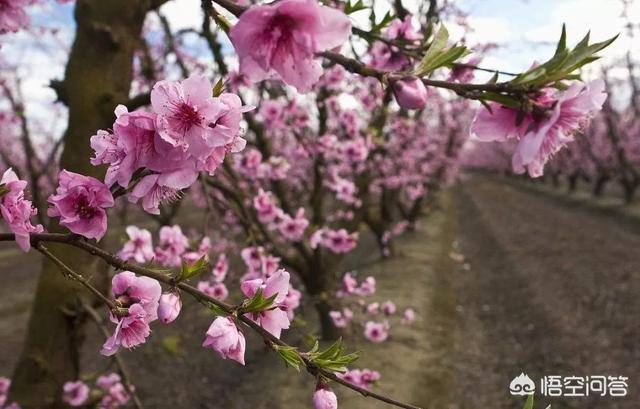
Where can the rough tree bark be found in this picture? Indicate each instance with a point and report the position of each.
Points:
(98, 76)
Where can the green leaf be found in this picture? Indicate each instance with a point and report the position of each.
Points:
(563, 63)
(438, 44)
(502, 99)
(332, 358)
(218, 88)
(437, 55)
(258, 303)
(529, 403)
(190, 270)
(562, 44)
(352, 8)
(217, 310)
(376, 28)
(583, 43)
(290, 356)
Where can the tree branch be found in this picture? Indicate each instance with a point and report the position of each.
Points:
(79, 242)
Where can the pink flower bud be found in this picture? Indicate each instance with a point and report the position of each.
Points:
(169, 307)
(410, 93)
(324, 398)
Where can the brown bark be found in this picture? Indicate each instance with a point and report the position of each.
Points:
(97, 77)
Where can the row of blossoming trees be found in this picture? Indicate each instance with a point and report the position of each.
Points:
(327, 133)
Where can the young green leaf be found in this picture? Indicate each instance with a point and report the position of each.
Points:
(290, 357)
(352, 8)
(258, 303)
(218, 88)
(562, 44)
(190, 270)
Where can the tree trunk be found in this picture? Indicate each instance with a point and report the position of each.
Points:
(573, 183)
(97, 77)
(629, 188)
(318, 286)
(598, 186)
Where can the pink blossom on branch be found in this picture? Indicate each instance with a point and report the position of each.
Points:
(169, 307)
(324, 398)
(80, 202)
(410, 93)
(139, 247)
(140, 296)
(280, 40)
(15, 210)
(553, 123)
(274, 319)
(570, 114)
(189, 117)
(224, 337)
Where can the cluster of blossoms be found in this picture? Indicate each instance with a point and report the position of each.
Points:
(172, 250)
(140, 300)
(189, 131)
(291, 228)
(109, 392)
(159, 153)
(409, 92)
(551, 124)
(5, 383)
(374, 331)
(314, 188)
(13, 16)
(363, 378)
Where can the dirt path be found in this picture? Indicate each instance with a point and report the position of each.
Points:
(544, 288)
(504, 280)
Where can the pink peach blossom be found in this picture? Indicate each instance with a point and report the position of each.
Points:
(140, 295)
(139, 247)
(80, 202)
(224, 337)
(75, 393)
(15, 210)
(281, 39)
(275, 319)
(376, 331)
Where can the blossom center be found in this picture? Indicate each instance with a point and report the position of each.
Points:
(187, 115)
(84, 209)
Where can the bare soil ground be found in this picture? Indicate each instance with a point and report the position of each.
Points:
(505, 279)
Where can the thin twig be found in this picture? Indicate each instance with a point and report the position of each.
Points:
(67, 271)
(79, 242)
(124, 372)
